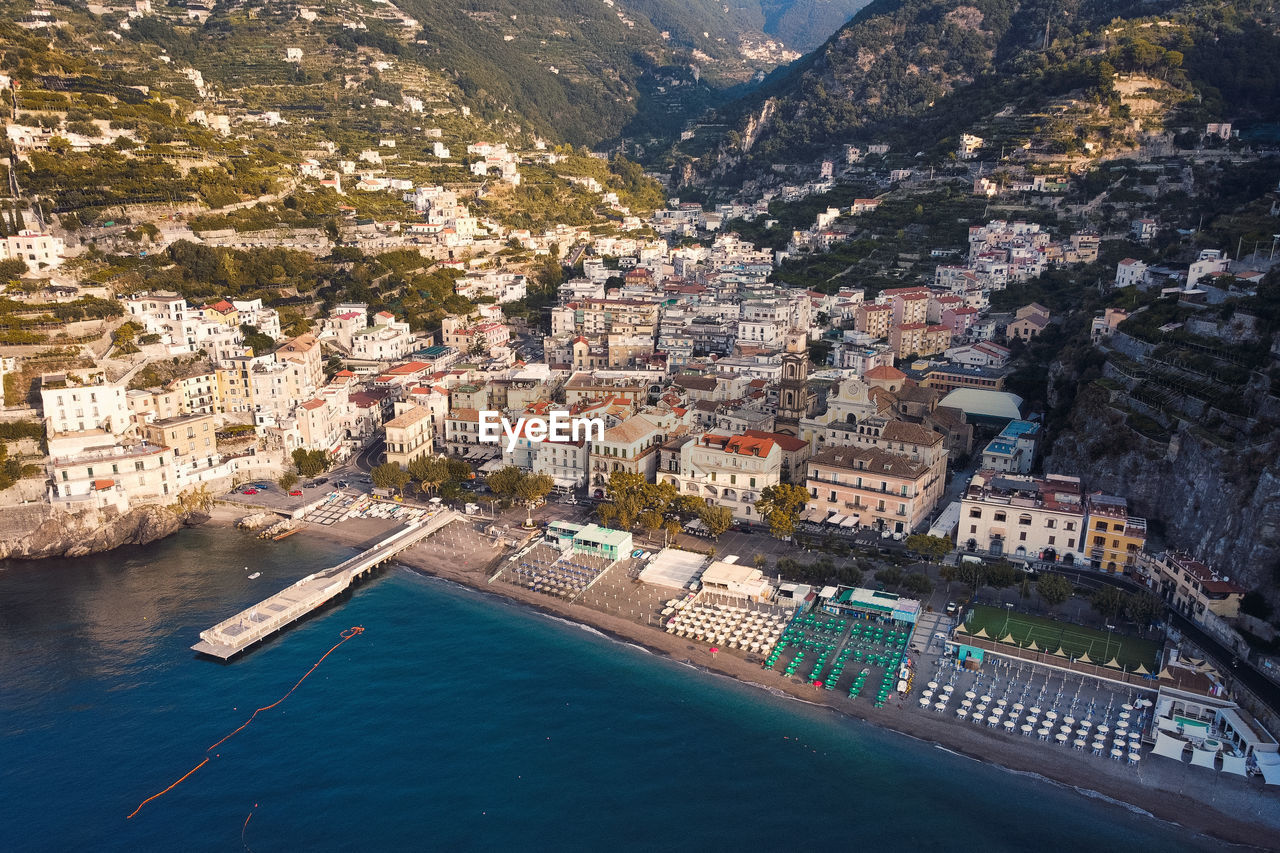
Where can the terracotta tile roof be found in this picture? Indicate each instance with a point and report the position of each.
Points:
(871, 460)
(789, 443)
(909, 433)
(884, 371)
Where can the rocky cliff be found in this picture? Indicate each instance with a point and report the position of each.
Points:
(36, 531)
(1219, 502)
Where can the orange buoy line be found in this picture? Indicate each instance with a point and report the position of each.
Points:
(168, 789)
(346, 635)
(245, 827)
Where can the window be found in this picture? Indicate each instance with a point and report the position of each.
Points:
(1099, 541)
(973, 528)
(1022, 537)
(975, 513)
(1000, 516)
(753, 482)
(1071, 543)
(1101, 525)
(1050, 523)
(1050, 540)
(831, 498)
(1071, 525)
(1024, 519)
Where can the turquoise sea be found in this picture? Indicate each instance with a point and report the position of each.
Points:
(455, 722)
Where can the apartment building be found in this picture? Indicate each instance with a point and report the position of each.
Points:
(1012, 451)
(302, 354)
(191, 438)
(728, 470)
(632, 446)
(388, 339)
(1115, 538)
(1191, 587)
(879, 488)
(1018, 515)
(75, 401)
(409, 435)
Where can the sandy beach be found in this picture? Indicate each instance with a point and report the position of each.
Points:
(1227, 809)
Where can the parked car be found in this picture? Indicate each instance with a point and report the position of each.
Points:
(341, 484)
(295, 493)
(250, 491)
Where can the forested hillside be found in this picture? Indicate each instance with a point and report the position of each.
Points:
(916, 72)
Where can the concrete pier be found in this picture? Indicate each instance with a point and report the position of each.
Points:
(234, 635)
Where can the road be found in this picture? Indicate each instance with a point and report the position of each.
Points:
(374, 454)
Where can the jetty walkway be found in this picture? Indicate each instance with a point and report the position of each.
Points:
(234, 635)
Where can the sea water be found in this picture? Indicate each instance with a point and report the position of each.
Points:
(456, 721)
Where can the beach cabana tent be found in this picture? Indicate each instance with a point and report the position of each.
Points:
(1269, 764)
(1233, 764)
(1169, 747)
(1203, 758)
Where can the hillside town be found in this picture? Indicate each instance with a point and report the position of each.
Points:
(933, 380)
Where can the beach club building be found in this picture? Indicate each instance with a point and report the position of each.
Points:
(858, 603)
(737, 581)
(590, 540)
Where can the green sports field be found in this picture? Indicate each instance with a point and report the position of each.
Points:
(1050, 635)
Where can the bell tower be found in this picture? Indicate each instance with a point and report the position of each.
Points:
(793, 389)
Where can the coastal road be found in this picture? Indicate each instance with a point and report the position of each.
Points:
(372, 456)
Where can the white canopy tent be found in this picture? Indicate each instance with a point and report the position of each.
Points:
(835, 519)
(850, 521)
(1233, 764)
(1169, 747)
(1203, 758)
(1269, 764)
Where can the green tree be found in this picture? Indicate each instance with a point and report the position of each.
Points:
(1054, 589)
(624, 493)
(917, 584)
(389, 475)
(1109, 602)
(889, 576)
(504, 481)
(532, 488)
(310, 463)
(780, 506)
(972, 575)
(288, 480)
(429, 472)
(1001, 575)
(717, 519)
(931, 548)
(1144, 608)
(260, 343)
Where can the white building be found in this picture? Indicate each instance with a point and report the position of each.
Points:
(728, 471)
(78, 401)
(38, 250)
(387, 340)
(1130, 272)
(1015, 515)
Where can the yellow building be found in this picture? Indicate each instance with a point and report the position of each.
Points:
(409, 436)
(235, 392)
(200, 394)
(1114, 538)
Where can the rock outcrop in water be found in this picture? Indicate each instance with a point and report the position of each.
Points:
(36, 531)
